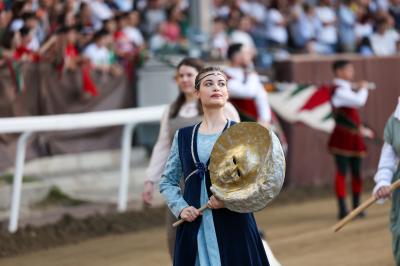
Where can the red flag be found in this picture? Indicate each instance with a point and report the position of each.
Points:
(87, 82)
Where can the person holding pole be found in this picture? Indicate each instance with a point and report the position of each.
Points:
(346, 142)
(388, 173)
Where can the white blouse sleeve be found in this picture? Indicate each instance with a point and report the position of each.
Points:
(231, 113)
(252, 88)
(344, 97)
(243, 87)
(386, 168)
(160, 152)
(263, 108)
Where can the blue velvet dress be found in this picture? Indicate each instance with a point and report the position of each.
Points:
(218, 237)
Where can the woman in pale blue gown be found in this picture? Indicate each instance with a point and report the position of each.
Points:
(217, 236)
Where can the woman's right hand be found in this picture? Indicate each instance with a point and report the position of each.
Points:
(148, 192)
(383, 192)
(189, 214)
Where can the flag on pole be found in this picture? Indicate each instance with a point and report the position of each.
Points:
(308, 104)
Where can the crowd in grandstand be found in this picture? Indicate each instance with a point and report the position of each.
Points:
(105, 32)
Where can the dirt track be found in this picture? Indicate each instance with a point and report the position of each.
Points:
(299, 234)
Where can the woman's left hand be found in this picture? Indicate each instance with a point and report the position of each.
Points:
(214, 203)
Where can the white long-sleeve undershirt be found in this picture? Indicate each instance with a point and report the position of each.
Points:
(249, 86)
(387, 166)
(388, 163)
(344, 96)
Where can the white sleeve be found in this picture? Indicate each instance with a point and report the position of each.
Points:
(236, 89)
(387, 166)
(263, 108)
(231, 112)
(348, 98)
(252, 88)
(160, 152)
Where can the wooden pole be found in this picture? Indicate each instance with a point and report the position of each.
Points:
(181, 221)
(360, 208)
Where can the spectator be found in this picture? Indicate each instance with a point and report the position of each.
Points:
(23, 39)
(70, 50)
(385, 41)
(171, 30)
(31, 21)
(18, 8)
(379, 6)
(221, 9)
(327, 36)
(100, 11)
(304, 28)
(364, 24)
(394, 11)
(347, 21)
(154, 15)
(85, 18)
(276, 24)
(254, 9)
(296, 18)
(219, 39)
(123, 46)
(124, 5)
(132, 29)
(234, 17)
(110, 25)
(5, 18)
(242, 34)
(363, 31)
(68, 19)
(98, 52)
(157, 41)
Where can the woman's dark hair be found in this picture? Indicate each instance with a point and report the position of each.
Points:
(202, 73)
(180, 100)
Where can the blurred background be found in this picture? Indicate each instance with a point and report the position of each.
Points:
(78, 56)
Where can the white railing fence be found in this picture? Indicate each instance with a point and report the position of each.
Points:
(129, 118)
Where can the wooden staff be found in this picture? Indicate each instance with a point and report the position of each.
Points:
(181, 221)
(362, 207)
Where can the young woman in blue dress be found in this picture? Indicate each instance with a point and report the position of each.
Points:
(217, 236)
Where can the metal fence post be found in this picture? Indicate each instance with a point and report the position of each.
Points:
(17, 182)
(125, 161)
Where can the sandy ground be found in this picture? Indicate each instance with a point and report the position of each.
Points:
(299, 234)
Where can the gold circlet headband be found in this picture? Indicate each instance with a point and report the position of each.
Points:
(214, 73)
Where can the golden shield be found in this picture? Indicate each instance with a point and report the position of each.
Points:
(247, 167)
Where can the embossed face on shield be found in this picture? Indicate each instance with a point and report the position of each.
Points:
(247, 167)
(238, 167)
